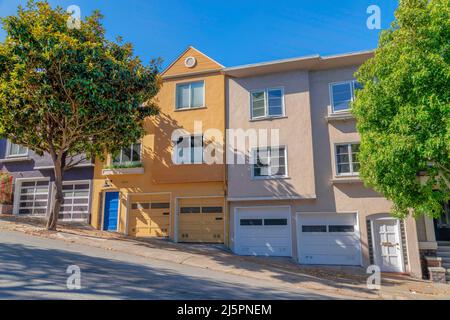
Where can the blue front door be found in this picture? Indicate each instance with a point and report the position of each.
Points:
(111, 211)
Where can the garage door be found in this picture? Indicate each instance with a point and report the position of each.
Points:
(263, 231)
(76, 201)
(149, 216)
(33, 198)
(201, 220)
(328, 239)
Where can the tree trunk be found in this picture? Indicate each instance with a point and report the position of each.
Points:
(59, 196)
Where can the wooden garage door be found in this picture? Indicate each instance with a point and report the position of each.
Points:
(149, 216)
(201, 220)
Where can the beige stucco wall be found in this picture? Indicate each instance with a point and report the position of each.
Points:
(311, 140)
(296, 126)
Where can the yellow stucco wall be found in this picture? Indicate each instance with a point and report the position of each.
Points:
(160, 174)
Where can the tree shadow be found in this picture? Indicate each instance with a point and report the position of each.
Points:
(29, 272)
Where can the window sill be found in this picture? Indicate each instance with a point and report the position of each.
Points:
(346, 179)
(267, 118)
(271, 178)
(340, 116)
(190, 109)
(15, 159)
(123, 171)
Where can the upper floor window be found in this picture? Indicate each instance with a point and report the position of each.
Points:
(267, 103)
(342, 94)
(270, 162)
(190, 95)
(189, 150)
(16, 150)
(347, 161)
(128, 156)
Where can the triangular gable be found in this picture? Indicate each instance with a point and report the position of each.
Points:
(203, 63)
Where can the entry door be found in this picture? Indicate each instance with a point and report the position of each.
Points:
(111, 211)
(388, 253)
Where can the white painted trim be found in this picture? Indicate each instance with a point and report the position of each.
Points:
(330, 91)
(235, 221)
(266, 115)
(351, 174)
(87, 165)
(190, 95)
(253, 154)
(8, 151)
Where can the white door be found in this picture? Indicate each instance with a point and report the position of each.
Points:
(387, 245)
(264, 231)
(328, 239)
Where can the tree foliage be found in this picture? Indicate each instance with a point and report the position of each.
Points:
(403, 110)
(68, 91)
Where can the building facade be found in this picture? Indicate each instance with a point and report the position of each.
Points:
(161, 186)
(301, 196)
(33, 180)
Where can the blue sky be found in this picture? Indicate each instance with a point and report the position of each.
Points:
(235, 32)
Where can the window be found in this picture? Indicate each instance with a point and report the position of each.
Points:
(16, 150)
(189, 150)
(128, 156)
(190, 95)
(341, 228)
(275, 222)
(212, 209)
(347, 159)
(314, 228)
(270, 162)
(267, 103)
(190, 210)
(251, 222)
(342, 94)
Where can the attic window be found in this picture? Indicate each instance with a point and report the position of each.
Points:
(190, 62)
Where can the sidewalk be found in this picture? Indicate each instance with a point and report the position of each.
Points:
(348, 282)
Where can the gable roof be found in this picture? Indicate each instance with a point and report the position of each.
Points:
(217, 65)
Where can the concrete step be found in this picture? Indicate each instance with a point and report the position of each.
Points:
(443, 254)
(443, 249)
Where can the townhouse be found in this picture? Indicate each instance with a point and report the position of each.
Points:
(33, 181)
(290, 189)
(161, 186)
(301, 196)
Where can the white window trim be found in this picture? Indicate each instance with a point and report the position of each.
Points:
(112, 163)
(190, 136)
(8, 154)
(272, 177)
(190, 95)
(266, 104)
(330, 90)
(349, 149)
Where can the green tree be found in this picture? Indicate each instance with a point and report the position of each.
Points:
(68, 91)
(403, 110)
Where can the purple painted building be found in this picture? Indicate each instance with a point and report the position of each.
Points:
(34, 183)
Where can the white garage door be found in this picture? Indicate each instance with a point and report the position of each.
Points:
(263, 231)
(33, 198)
(75, 206)
(328, 239)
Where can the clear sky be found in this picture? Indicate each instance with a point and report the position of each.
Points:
(235, 32)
